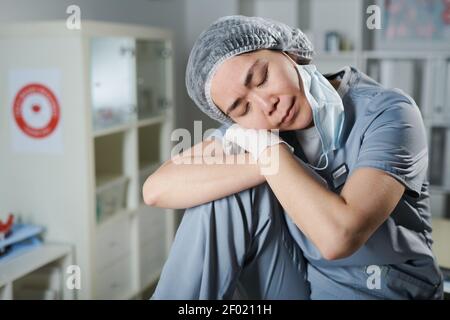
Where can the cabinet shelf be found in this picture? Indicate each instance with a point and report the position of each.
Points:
(344, 55)
(150, 144)
(403, 54)
(149, 166)
(111, 196)
(158, 119)
(118, 215)
(109, 155)
(112, 130)
(103, 181)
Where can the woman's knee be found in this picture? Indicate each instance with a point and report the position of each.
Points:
(242, 207)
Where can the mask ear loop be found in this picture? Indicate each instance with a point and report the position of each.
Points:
(287, 56)
(305, 77)
(320, 160)
(323, 154)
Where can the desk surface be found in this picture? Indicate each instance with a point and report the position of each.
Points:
(29, 261)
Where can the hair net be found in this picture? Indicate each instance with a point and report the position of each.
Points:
(230, 36)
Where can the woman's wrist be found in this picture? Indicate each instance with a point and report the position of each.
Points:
(272, 153)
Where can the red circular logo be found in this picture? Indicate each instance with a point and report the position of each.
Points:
(36, 110)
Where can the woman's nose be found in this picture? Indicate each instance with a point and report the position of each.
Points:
(265, 102)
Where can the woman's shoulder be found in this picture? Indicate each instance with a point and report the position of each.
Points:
(367, 94)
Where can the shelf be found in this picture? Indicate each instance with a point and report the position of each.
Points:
(104, 180)
(31, 260)
(120, 214)
(107, 181)
(344, 55)
(149, 166)
(151, 75)
(113, 130)
(111, 196)
(109, 154)
(383, 55)
(157, 119)
(112, 82)
(149, 144)
(403, 54)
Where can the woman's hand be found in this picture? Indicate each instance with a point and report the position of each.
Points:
(255, 141)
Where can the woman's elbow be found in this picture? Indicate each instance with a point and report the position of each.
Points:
(151, 190)
(149, 193)
(339, 247)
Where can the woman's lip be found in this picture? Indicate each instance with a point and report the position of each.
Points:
(290, 114)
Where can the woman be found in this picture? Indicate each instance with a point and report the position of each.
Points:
(344, 211)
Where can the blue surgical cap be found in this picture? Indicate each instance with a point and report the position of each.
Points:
(230, 36)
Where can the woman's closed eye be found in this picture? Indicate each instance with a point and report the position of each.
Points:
(247, 108)
(265, 77)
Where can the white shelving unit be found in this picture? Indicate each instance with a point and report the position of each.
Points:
(116, 102)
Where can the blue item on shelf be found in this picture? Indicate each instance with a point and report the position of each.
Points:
(22, 237)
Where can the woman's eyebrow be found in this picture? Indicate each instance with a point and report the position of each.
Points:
(248, 80)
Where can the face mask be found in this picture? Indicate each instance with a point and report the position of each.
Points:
(327, 108)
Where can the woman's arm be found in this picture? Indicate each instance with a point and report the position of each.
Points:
(201, 179)
(337, 224)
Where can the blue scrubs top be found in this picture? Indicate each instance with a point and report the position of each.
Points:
(383, 129)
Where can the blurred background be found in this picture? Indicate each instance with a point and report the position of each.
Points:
(91, 91)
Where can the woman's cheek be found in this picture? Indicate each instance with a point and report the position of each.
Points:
(256, 122)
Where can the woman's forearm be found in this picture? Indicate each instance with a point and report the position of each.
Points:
(178, 185)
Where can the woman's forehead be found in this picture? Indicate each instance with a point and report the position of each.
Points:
(236, 65)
